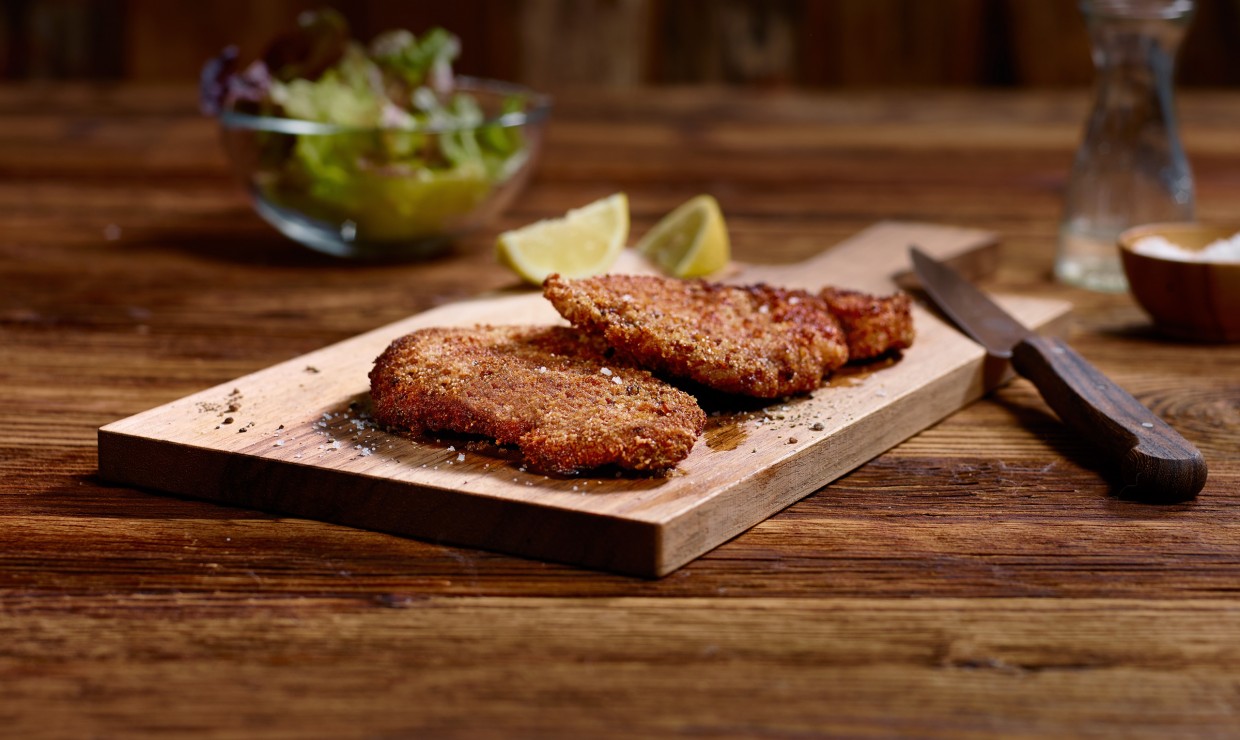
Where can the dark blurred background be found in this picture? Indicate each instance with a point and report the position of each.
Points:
(555, 43)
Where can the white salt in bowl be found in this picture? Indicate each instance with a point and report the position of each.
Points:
(1189, 291)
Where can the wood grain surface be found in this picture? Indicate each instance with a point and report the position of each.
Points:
(297, 438)
(978, 580)
(842, 43)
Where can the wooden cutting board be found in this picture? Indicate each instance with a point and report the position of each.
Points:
(295, 438)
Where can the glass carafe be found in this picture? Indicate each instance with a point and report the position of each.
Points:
(1130, 167)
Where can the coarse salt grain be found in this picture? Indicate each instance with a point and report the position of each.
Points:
(617, 380)
(460, 457)
(605, 370)
(1221, 250)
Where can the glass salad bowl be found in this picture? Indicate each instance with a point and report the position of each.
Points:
(402, 191)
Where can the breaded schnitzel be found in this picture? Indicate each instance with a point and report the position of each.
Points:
(552, 391)
(754, 340)
(873, 325)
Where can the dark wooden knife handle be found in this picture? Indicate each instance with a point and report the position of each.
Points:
(1155, 462)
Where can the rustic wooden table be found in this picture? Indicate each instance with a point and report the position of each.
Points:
(977, 580)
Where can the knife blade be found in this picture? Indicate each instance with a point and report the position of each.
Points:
(1154, 462)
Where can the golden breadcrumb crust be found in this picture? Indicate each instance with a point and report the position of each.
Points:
(551, 391)
(873, 325)
(754, 340)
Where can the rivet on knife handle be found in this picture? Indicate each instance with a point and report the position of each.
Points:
(1155, 462)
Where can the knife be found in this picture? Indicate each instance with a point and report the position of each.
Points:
(1154, 462)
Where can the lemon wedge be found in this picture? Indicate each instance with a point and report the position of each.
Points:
(691, 241)
(583, 242)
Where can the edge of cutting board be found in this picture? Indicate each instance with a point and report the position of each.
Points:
(648, 544)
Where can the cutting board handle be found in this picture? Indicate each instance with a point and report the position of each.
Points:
(873, 259)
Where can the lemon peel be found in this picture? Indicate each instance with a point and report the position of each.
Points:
(583, 242)
(691, 241)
